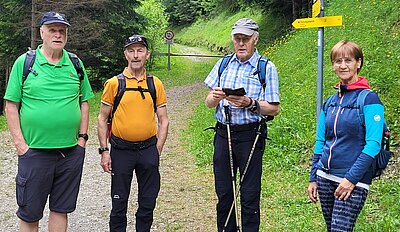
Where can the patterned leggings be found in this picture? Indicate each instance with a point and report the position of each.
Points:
(339, 215)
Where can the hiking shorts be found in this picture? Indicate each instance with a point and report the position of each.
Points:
(48, 172)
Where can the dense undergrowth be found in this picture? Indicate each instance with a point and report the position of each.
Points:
(375, 25)
(372, 24)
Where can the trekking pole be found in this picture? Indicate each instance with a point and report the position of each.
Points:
(228, 120)
(244, 173)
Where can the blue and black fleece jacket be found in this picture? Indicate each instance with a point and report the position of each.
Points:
(343, 146)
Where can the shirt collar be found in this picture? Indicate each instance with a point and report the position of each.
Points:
(42, 59)
(128, 75)
(253, 59)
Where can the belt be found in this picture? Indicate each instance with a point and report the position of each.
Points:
(244, 127)
(128, 145)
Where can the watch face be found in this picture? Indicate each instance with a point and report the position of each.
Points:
(253, 108)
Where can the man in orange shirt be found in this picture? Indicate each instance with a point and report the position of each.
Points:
(137, 138)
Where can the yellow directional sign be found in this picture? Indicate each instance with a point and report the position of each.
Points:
(329, 21)
(316, 8)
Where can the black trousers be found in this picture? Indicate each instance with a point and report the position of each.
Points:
(242, 142)
(145, 163)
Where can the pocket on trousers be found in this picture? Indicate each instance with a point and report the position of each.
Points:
(20, 190)
(25, 154)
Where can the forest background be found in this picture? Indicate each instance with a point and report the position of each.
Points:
(99, 28)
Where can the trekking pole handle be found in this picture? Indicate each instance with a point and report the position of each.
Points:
(228, 115)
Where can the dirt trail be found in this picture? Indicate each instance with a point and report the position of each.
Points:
(186, 201)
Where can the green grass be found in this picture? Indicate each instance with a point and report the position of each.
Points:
(182, 70)
(3, 123)
(372, 24)
(203, 33)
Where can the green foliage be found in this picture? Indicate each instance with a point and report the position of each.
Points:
(373, 25)
(97, 33)
(184, 12)
(201, 141)
(183, 71)
(156, 22)
(94, 104)
(215, 33)
(3, 123)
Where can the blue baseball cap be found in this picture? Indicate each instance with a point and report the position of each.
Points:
(53, 17)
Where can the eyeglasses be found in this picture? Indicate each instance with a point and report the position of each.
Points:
(244, 39)
(347, 61)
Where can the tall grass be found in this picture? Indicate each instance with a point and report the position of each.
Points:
(215, 34)
(375, 26)
(182, 71)
(3, 123)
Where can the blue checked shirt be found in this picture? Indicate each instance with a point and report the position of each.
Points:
(237, 75)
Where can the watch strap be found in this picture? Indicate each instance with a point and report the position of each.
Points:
(84, 136)
(103, 149)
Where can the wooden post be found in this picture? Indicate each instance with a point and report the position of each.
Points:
(33, 24)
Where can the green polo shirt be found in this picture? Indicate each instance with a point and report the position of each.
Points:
(50, 108)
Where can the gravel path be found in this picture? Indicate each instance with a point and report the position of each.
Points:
(186, 201)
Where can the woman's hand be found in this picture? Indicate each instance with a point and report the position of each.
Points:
(343, 191)
(312, 192)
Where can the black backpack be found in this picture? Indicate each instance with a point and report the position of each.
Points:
(30, 60)
(122, 88)
(261, 68)
(261, 72)
(383, 157)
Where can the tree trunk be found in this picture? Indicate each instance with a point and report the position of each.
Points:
(33, 25)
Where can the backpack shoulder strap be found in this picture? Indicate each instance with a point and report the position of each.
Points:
(28, 64)
(77, 65)
(262, 70)
(120, 92)
(360, 105)
(327, 103)
(222, 66)
(152, 89)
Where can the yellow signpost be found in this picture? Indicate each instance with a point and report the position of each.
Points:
(316, 8)
(319, 20)
(329, 21)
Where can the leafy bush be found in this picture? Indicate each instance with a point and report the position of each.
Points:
(373, 25)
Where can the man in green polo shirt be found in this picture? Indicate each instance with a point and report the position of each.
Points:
(47, 115)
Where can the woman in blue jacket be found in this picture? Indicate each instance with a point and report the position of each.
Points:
(344, 149)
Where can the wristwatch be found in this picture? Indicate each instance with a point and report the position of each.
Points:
(103, 149)
(255, 108)
(84, 136)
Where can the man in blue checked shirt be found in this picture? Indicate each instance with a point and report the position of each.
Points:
(243, 116)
